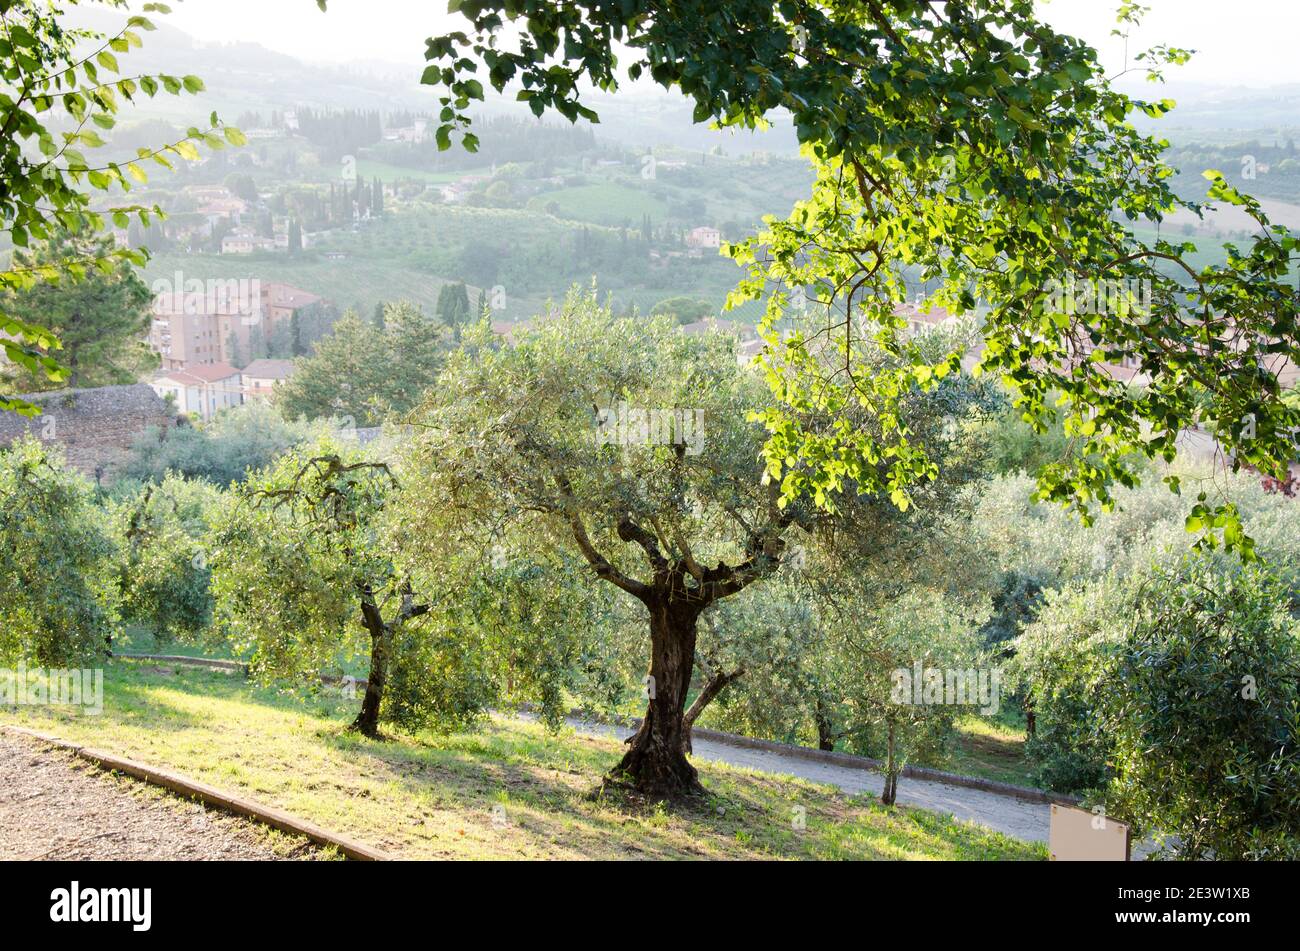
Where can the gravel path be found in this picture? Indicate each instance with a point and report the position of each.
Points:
(1016, 817)
(56, 806)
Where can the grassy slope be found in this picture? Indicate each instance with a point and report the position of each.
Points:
(606, 203)
(989, 749)
(428, 796)
(347, 283)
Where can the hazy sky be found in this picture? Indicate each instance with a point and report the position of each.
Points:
(1247, 42)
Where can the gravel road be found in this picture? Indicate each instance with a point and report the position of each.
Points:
(56, 806)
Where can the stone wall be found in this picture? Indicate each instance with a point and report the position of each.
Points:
(95, 427)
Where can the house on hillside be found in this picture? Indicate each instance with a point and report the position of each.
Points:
(202, 390)
(262, 376)
(95, 427)
(244, 241)
(704, 239)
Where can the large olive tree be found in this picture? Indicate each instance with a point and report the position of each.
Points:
(631, 444)
(639, 448)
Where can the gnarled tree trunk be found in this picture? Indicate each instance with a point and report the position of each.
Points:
(655, 763)
(367, 721)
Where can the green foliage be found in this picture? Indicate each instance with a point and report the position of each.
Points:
(512, 437)
(938, 167)
(164, 573)
(1056, 665)
(101, 320)
(1200, 705)
(453, 306)
(437, 679)
(283, 602)
(1015, 446)
(364, 372)
(47, 181)
(685, 310)
(770, 640)
(874, 712)
(305, 577)
(221, 451)
(58, 597)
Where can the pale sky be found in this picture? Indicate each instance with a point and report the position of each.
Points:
(1246, 42)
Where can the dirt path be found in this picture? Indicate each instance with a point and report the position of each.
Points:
(55, 806)
(1017, 817)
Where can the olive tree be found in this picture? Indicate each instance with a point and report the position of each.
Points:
(164, 571)
(631, 445)
(1170, 697)
(303, 570)
(58, 596)
(1200, 707)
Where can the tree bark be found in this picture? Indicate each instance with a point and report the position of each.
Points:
(890, 792)
(655, 764)
(825, 731)
(367, 721)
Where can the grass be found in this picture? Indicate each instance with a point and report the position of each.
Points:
(990, 749)
(606, 203)
(347, 283)
(507, 790)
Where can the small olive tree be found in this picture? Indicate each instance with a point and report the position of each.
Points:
(58, 596)
(303, 571)
(164, 571)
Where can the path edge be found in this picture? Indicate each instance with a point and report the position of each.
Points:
(211, 795)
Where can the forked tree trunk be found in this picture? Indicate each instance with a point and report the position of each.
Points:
(655, 763)
(367, 721)
(714, 686)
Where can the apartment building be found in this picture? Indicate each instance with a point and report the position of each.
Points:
(217, 323)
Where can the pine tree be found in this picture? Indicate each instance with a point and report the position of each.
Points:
(453, 306)
(236, 356)
(296, 347)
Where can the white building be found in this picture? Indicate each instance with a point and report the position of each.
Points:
(701, 238)
(262, 376)
(202, 390)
